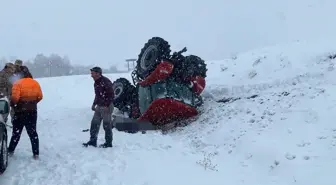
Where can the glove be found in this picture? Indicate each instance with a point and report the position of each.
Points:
(93, 107)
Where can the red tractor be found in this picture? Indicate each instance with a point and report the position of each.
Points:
(166, 88)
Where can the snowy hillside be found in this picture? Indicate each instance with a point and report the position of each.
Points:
(284, 135)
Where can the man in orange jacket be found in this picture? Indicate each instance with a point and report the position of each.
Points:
(26, 94)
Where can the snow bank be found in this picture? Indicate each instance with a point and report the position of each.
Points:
(272, 66)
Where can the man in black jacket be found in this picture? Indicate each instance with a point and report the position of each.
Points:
(102, 107)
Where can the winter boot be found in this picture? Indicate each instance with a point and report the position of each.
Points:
(36, 157)
(10, 154)
(90, 143)
(105, 145)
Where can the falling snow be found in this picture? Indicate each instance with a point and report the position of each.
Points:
(285, 135)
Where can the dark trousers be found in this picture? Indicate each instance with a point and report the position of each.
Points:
(28, 120)
(101, 115)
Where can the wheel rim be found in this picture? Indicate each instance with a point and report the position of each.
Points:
(148, 57)
(118, 90)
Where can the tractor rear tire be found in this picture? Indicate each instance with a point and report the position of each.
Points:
(197, 65)
(191, 66)
(155, 50)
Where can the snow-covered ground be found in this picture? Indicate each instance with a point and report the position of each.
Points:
(284, 136)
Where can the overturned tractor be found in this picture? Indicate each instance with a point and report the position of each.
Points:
(166, 88)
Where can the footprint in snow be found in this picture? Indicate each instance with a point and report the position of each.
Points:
(322, 137)
(306, 157)
(252, 74)
(290, 156)
(303, 144)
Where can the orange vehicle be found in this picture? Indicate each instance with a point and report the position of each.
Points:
(166, 88)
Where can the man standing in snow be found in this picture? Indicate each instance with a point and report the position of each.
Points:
(102, 107)
(5, 85)
(17, 75)
(26, 94)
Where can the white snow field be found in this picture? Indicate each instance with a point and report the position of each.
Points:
(285, 136)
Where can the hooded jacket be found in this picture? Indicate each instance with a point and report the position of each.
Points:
(26, 93)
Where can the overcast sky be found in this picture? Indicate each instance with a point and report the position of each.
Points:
(104, 32)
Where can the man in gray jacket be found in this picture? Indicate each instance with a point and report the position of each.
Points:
(6, 84)
(102, 107)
